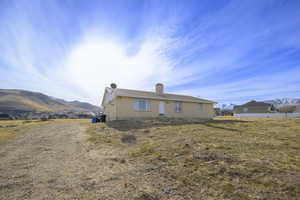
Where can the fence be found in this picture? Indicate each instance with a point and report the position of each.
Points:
(267, 115)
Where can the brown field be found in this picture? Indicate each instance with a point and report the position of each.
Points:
(225, 158)
(11, 128)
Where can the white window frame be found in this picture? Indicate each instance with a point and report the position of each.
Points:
(178, 106)
(141, 105)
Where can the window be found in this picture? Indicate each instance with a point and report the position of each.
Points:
(201, 106)
(178, 106)
(245, 109)
(142, 105)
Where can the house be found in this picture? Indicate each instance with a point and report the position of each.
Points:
(121, 104)
(254, 107)
(298, 109)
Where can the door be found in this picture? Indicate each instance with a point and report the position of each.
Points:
(161, 108)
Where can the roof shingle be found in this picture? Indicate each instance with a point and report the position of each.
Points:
(164, 96)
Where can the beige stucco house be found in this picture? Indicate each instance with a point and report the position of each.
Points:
(121, 104)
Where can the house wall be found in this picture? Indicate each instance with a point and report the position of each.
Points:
(125, 109)
(110, 110)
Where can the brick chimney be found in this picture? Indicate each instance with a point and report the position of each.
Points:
(159, 88)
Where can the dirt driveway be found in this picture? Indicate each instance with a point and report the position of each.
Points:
(55, 161)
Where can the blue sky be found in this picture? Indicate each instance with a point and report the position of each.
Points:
(227, 51)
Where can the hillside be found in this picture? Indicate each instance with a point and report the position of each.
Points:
(79, 104)
(22, 100)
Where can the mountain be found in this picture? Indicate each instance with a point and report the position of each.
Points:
(22, 100)
(284, 101)
(225, 106)
(79, 104)
(275, 102)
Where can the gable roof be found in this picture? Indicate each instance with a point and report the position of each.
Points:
(257, 103)
(254, 104)
(153, 95)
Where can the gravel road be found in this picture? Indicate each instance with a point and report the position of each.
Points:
(55, 161)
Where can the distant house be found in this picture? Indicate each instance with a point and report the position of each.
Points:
(298, 109)
(254, 107)
(135, 104)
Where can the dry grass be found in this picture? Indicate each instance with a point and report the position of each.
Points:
(225, 158)
(11, 128)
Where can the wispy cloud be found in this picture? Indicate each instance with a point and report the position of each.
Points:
(230, 52)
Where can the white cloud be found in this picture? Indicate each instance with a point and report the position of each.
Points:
(97, 61)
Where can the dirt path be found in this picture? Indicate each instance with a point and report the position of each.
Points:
(55, 161)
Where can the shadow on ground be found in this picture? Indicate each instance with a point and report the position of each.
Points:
(127, 125)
